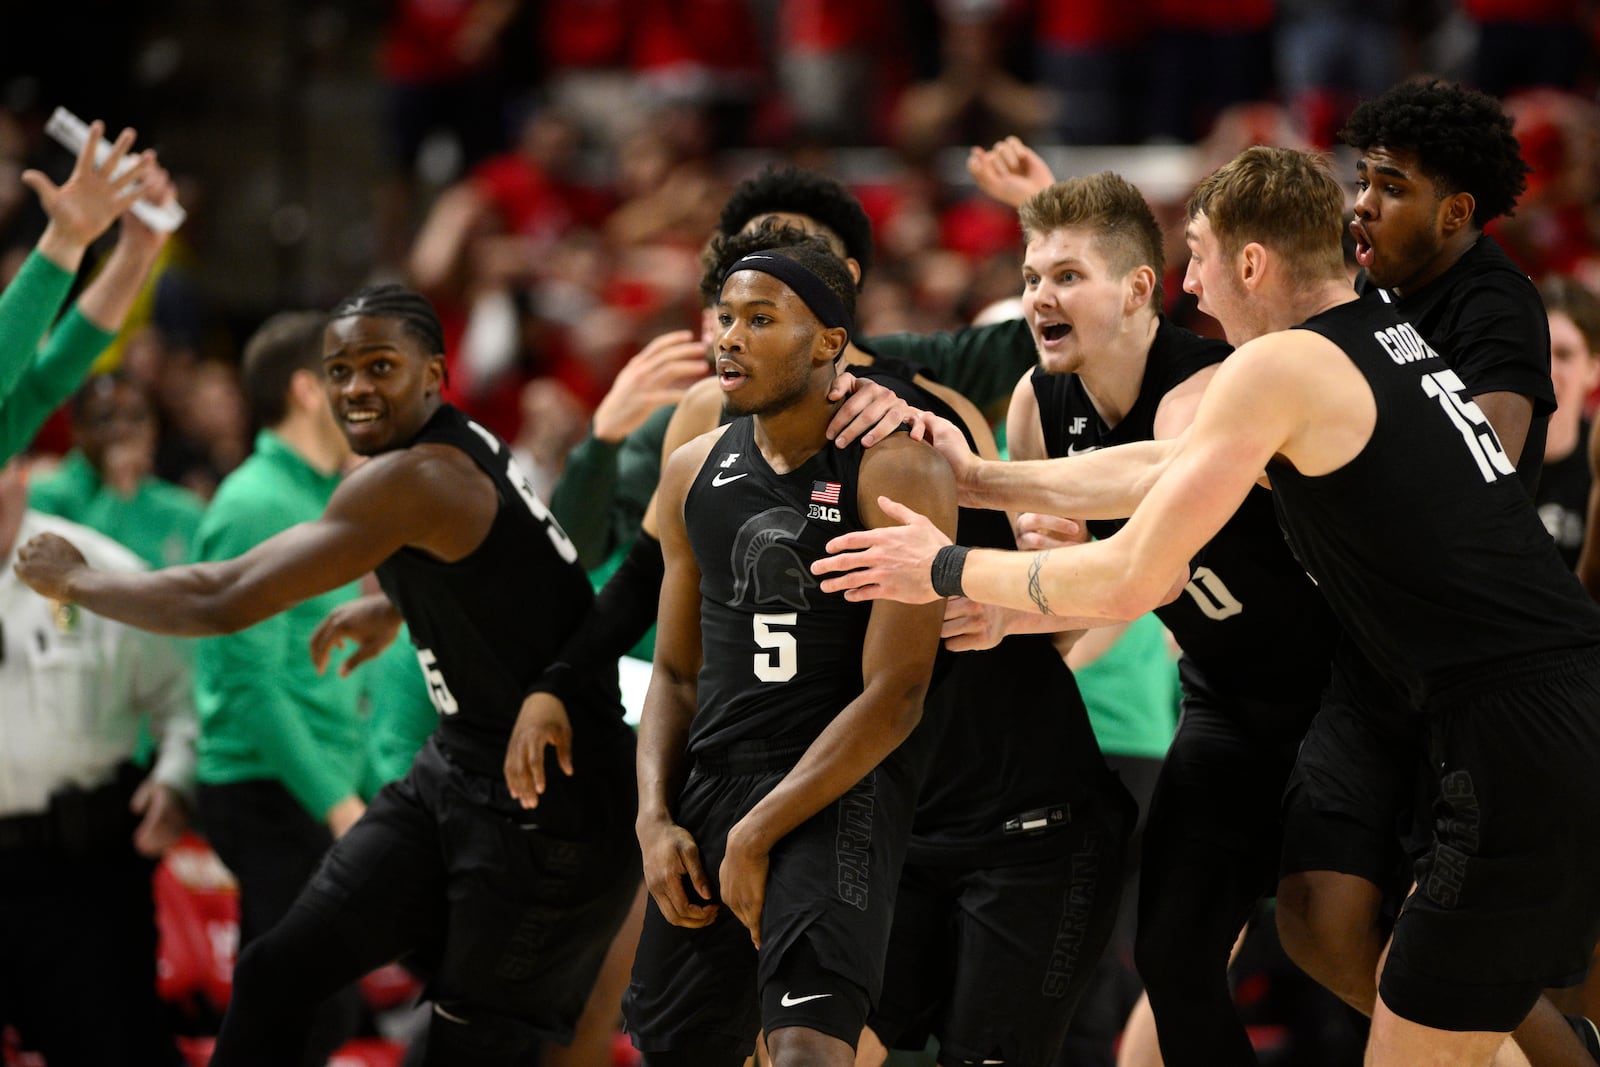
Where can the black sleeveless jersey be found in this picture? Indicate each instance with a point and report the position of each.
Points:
(1563, 499)
(1426, 544)
(781, 658)
(1485, 317)
(1249, 619)
(1004, 733)
(487, 625)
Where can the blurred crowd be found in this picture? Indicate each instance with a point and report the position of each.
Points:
(549, 171)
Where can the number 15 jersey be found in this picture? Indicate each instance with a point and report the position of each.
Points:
(780, 658)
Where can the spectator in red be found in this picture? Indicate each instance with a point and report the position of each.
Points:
(1087, 57)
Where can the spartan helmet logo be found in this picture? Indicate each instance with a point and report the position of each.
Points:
(766, 566)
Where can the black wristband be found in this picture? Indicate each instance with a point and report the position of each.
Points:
(948, 563)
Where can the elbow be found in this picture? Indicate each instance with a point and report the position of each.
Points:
(1143, 594)
(906, 714)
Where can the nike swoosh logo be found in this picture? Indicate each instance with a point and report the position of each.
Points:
(787, 1001)
(718, 479)
(1074, 450)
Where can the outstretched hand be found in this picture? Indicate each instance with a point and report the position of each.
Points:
(370, 621)
(542, 723)
(91, 199)
(48, 563)
(1009, 172)
(888, 563)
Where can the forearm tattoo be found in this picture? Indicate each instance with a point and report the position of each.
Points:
(1035, 590)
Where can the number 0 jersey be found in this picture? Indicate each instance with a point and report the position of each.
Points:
(781, 658)
(487, 625)
(1425, 544)
(1249, 618)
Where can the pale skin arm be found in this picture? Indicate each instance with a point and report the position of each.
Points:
(670, 852)
(1009, 172)
(897, 659)
(90, 200)
(1262, 404)
(110, 296)
(434, 502)
(1104, 484)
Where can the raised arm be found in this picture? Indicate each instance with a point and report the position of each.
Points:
(897, 659)
(401, 498)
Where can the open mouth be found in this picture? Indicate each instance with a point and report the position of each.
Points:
(729, 373)
(1054, 331)
(360, 418)
(1363, 245)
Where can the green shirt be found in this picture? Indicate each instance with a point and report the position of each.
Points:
(264, 711)
(157, 523)
(400, 712)
(1132, 692)
(35, 380)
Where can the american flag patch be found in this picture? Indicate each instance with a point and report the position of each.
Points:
(825, 492)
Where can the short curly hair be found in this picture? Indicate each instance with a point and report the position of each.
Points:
(790, 190)
(1461, 137)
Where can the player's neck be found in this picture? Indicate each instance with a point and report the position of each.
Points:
(790, 435)
(1115, 376)
(1450, 252)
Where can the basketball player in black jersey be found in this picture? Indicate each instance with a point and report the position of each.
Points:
(773, 803)
(1396, 495)
(506, 911)
(1256, 635)
(1438, 162)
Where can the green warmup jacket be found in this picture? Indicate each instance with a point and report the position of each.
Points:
(264, 711)
(35, 379)
(157, 523)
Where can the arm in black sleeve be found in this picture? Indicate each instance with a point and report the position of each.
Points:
(623, 611)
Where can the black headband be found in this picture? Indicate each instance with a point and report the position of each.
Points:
(823, 301)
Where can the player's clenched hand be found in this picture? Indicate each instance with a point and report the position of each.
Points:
(48, 563)
(889, 563)
(1010, 172)
(869, 411)
(670, 857)
(370, 621)
(744, 881)
(542, 723)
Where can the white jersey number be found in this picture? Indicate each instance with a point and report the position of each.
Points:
(1213, 598)
(438, 691)
(779, 664)
(552, 529)
(1470, 421)
(519, 481)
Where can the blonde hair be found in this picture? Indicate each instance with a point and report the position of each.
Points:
(1282, 198)
(1125, 229)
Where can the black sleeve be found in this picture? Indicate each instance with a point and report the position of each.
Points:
(623, 611)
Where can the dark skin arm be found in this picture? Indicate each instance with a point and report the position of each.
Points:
(1510, 414)
(670, 851)
(897, 659)
(427, 497)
